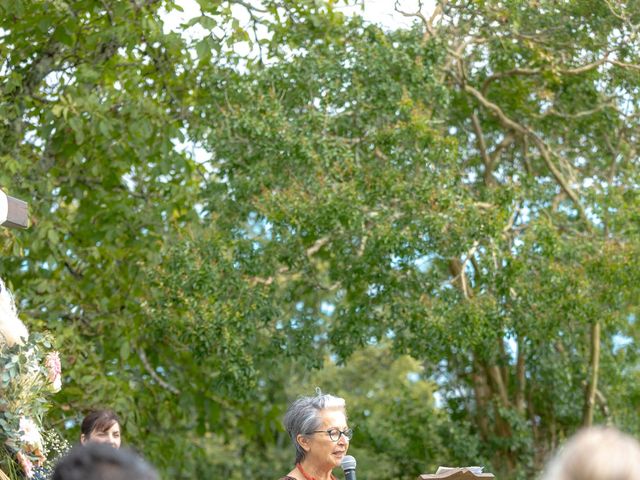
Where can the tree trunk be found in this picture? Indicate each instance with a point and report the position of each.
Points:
(482, 395)
(520, 377)
(592, 384)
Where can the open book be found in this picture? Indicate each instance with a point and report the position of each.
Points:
(457, 473)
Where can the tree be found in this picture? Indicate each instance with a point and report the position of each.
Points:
(464, 190)
(542, 108)
(94, 100)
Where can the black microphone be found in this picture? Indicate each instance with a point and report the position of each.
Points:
(348, 464)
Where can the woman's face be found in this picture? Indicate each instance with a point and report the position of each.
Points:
(110, 436)
(321, 450)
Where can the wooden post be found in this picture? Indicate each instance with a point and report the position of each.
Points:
(14, 213)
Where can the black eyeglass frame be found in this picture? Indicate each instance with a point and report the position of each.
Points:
(332, 431)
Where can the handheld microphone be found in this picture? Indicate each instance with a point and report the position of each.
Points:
(348, 464)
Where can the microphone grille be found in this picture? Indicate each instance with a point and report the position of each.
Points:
(348, 463)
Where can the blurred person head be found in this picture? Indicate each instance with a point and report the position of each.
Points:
(597, 453)
(317, 426)
(97, 461)
(101, 426)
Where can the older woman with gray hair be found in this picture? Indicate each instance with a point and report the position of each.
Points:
(597, 453)
(318, 429)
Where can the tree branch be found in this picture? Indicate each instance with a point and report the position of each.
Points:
(496, 378)
(482, 146)
(577, 115)
(506, 142)
(604, 406)
(585, 68)
(321, 242)
(250, 8)
(508, 73)
(153, 374)
(542, 147)
(456, 267)
(632, 66)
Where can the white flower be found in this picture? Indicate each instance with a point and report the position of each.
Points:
(30, 433)
(12, 330)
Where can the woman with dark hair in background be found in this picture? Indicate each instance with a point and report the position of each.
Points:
(101, 426)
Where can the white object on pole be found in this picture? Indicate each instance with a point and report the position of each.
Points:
(12, 330)
(13, 212)
(4, 207)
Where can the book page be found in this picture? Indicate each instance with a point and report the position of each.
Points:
(475, 469)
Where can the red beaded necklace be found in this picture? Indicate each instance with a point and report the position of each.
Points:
(309, 477)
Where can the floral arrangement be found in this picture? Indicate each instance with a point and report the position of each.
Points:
(30, 371)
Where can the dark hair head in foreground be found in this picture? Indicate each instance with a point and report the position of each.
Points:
(96, 461)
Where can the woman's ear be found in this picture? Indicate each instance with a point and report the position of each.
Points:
(303, 442)
(83, 439)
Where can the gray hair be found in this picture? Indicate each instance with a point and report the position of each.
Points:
(302, 417)
(597, 453)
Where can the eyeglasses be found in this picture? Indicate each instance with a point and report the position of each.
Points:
(335, 433)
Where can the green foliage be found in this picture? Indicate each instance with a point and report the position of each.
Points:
(209, 225)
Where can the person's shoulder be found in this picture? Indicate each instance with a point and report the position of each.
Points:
(292, 475)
